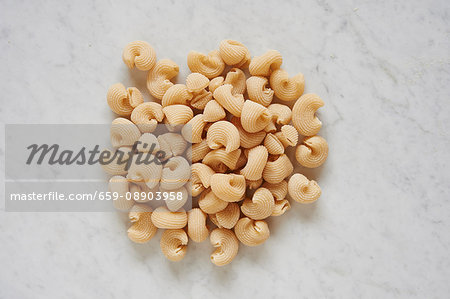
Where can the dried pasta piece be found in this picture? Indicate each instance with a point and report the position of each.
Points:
(277, 169)
(210, 65)
(193, 130)
(139, 54)
(247, 140)
(278, 190)
(142, 229)
(174, 244)
(176, 94)
(220, 161)
(223, 134)
(229, 216)
(281, 206)
(287, 89)
(281, 114)
(119, 184)
(216, 82)
(227, 246)
(115, 162)
(172, 144)
(255, 117)
(263, 65)
(124, 133)
(303, 190)
(253, 185)
(313, 152)
(196, 226)
(213, 219)
(259, 91)
(200, 178)
(147, 173)
(234, 53)
(303, 114)
(260, 206)
(288, 136)
(199, 150)
(210, 203)
(251, 232)
(122, 101)
(256, 161)
(147, 115)
(200, 100)
(228, 187)
(163, 218)
(273, 145)
(158, 78)
(196, 82)
(213, 112)
(236, 78)
(177, 116)
(177, 203)
(232, 103)
(148, 143)
(175, 173)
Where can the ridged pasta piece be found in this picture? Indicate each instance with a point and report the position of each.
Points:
(200, 99)
(260, 206)
(199, 150)
(281, 206)
(281, 114)
(175, 173)
(303, 114)
(147, 115)
(264, 64)
(213, 112)
(196, 82)
(287, 89)
(172, 144)
(139, 54)
(237, 79)
(259, 91)
(148, 143)
(176, 116)
(229, 216)
(255, 117)
(210, 65)
(223, 134)
(303, 190)
(313, 152)
(119, 184)
(174, 244)
(234, 53)
(200, 178)
(278, 190)
(196, 227)
(210, 203)
(247, 140)
(251, 232)
(158, 78)
(176, 204)
(163, 218)
(213, 219)
(288, 136)
(277, 169)
(115, 163)
(227, 246)
(273, 145)
(253, 185)
(124, 133)
(192, 131)
(176, 94)
(232, 103)
(142, 229)
(228, 187)
(147, 173)
(220, 161)
(256, 161)
(216, 82)
(121, 100)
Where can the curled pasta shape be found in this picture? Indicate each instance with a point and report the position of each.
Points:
(197, 229)
(196, 82)
(232, 103)
(121, 100)
(278, 190)
(175, 173)
(273, 145)
(210, 65)
(200, 178)
(278, 169)
(253, 185)
(210, 203)
(174, 244)
(281, 114)
(281, 206)
(234, 53)
(177, 115)
(260, 206)
(303, 190)
(163, 218)
(199, 150)
(118, 161)
(158, 78)
(172, 144)
(237, 79)
(229, 216)
(256, 161)
(287, 89)
(176, 94)
(223, 134)
(123, 132)
(288, 136)
(200, 100)
(251, 232)
(193, 129)
(175, 205)
(216, 82)
(227, 246)
(220, 161)
(148, 143)
(147, 173)
(119, 184)
(147, 115)
(139, 54)
(228, 187)
(264, 64)
(213, 112)
(259, 91)
(142, 229)
(303, 114)
(255, 117)
(313, 152)
(213, 219)
(248, 140)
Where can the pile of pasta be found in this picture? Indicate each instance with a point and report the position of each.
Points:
(238, 110)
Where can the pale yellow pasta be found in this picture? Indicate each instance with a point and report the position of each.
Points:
(119, 184)
(303, 190)
(278, 190)
(313, 152)
(163, 218)
(288, 136)
(251, 232)
(122, 101)
(199, 150)
(213, 219)
(247, 140)
(260, 206)
(158, 78)
(281, 114)
(273, 145)
(176, 94)
(210, 65)
(175, 173)
(176, 116)
(193, 130)
(124, 133)
(303, 114)
(175, 204)
(200, 99)
(223, 134)
(115, 163)
(281, 206)
(210, 203)
(220, 161)
(236, 78)
(264, 64)
(142, 229)
(229, 216)
(197, 229)
(253, 185)
(200, 178)
(216, 82)
(256, 161)
(232, 103)
(287, 89)
(148, 143)
(196, 82)
(148, 173)
(147, 115)
(172, 144)
(277, 169)
(227, 246)
(228, 187)
(213, 112)
(174, 244)
(139, 54)
(255, 117)
(234, 53)
(259, 91)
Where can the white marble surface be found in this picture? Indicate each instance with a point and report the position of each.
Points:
(381, 227)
